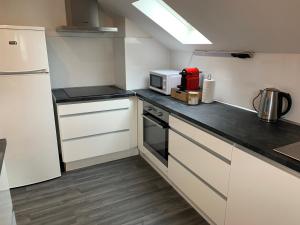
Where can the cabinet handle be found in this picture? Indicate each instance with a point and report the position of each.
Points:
(24, 72)
(155, 122)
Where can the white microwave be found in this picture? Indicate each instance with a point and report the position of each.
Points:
(164, 80)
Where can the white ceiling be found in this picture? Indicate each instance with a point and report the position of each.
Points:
(254, 25)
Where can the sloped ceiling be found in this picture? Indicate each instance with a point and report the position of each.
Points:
(271, 26)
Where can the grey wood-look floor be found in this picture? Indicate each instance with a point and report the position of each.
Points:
(127, 192)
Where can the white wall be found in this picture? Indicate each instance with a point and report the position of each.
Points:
(120, 67)
(46, 13)
(142, 54)
(74, 61)
(77, 61)
(238, 81)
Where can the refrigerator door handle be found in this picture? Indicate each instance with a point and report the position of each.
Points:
(25, 72)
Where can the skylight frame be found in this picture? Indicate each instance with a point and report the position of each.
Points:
(174, 24)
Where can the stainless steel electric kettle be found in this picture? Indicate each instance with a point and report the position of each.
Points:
(271, 104)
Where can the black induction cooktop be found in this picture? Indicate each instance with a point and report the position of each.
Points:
(292, 150)
(93, 91)
(89, 93)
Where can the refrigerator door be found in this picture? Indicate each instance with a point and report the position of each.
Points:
(25, 50)
(27, 122)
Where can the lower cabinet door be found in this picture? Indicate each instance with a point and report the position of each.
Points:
(88, 147)
(261, 193)
(82, 125)
(140, 125)
(210, 168)
(207, 200)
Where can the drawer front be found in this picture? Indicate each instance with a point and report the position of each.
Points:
(215, 144)
(94, 123)
(201, 195)
(207, 166)
(70, 109)
(83, 148)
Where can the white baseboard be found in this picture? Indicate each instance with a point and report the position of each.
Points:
(100, 159)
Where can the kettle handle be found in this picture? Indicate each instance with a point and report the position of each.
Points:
(288, 97)
(253, 101)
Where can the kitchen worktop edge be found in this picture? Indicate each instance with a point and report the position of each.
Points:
(256, 143)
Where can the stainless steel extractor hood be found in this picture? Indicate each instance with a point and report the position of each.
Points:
(83, 16)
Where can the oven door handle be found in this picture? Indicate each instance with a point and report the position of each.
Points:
(159, 124)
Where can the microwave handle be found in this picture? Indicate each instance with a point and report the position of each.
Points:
(160, 125)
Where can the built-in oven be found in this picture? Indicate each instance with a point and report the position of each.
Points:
(156, 131)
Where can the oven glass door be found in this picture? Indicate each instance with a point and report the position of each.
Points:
(156, 81)
(156, 137)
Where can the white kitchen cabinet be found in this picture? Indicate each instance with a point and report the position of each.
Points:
(199, 166)
(83, 125)
(261, 193)
(6, 208)
(140, 124)
(95, 146)
(98, 106)
(217, 145)
(98, 131)
(207, 200)
(204, 164)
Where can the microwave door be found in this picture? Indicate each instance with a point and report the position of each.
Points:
(156, 81)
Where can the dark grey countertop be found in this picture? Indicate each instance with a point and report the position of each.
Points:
(234, 124)
(2, 152)
(76, 94)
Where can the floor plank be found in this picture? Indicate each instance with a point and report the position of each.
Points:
(123, 192)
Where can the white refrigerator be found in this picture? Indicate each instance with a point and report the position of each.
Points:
(26, 109)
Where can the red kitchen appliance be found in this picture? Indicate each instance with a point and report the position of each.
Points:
(190, 78)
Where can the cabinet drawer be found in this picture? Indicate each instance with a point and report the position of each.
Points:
(215, 144)
(82, 125)
(210, 168)
(83, 148)
(201, 195)
(70, 109)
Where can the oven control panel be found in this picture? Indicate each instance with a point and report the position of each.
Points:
(156, 111)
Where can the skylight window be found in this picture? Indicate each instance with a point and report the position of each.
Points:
(172, 22)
